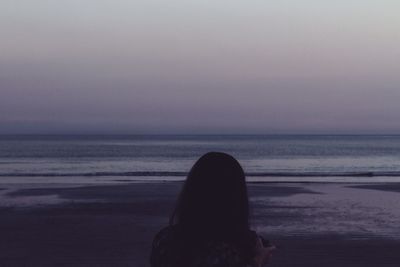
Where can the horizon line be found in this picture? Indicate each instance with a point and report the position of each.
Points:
(200, 134)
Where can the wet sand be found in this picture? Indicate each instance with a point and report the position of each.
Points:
(113, 225)
(383, 187)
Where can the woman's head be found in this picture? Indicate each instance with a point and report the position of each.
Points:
(214, 201)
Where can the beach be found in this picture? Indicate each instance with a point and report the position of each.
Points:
(312, 224)
(107, 107)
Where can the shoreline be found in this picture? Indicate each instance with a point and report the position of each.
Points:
(20, 180)
(113, 225)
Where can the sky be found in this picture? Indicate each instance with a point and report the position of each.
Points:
(194, 67)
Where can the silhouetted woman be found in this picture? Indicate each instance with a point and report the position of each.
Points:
(210, 225)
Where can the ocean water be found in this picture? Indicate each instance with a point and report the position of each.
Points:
(301, 158)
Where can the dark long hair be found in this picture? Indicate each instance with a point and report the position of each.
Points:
(213, 204)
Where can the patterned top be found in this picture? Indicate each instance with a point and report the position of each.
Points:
(167, 252)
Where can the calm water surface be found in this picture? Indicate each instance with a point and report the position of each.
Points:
(265, 158)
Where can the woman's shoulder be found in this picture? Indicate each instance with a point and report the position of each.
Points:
(163, 247)
(167, 249)
(165, 236)
(170, 233)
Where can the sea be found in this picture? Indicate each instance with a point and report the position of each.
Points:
(155, 158)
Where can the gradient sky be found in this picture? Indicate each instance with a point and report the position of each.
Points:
(185, 66)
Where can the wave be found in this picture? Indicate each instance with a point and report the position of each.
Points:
(183, 174)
